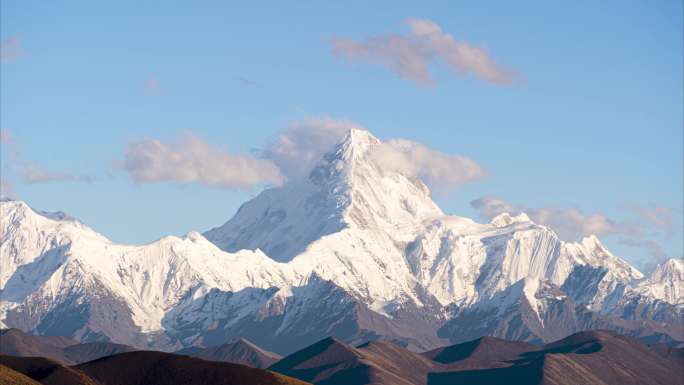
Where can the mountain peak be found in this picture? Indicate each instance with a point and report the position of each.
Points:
(18, 207)
(358, 137)
(346, 189)
(354, 145)
(673, 265)
(506, 219)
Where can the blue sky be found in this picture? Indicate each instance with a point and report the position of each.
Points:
(593, 121)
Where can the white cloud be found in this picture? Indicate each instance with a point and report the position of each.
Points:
(435, 168)
(33, 173)
(572, 223)
(292, 154)
(192, 160)
(410, 56)
(297, 148)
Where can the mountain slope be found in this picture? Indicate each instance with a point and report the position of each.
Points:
(12, 377)
(483, 351)
(65, 350)
(90, 351)
(14, 342)
(344, 191)
(351, 250)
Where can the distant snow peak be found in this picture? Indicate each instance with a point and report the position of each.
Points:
(357, 142)
(506, 219)
(674, 266)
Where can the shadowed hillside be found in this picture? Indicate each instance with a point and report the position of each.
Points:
(240, 351)
(596, 357)
(136, 368)
(156, 368)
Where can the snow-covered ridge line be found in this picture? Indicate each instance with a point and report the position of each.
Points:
(350, 230)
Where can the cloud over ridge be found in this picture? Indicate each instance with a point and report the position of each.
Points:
(290, 155)
(32, 172)
(298, 147)
(571, 223)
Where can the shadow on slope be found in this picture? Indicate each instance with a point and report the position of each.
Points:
(46, 371)
(594, 357)
(152, 368)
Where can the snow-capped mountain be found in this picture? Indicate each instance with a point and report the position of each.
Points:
(352, 250)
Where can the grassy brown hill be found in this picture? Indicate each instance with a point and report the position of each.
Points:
(11, 377)
(330, 362)
(46, 371)
(239, 351)
(157, 368)
(481, 352)
(136, 368)
(596, 357)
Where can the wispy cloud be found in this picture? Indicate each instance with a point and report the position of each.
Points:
(10, 49)
(32, 172)
(569, 223)
(193, 160)
(409, 56)
(656, 253)
(661, 218)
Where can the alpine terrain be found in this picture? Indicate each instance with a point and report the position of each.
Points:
(352, 250)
